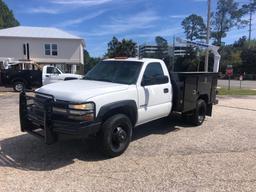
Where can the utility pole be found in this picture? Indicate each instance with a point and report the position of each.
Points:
(207, 36)
(173, 53)
(250, 23)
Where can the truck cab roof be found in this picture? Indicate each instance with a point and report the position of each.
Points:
(135, 59)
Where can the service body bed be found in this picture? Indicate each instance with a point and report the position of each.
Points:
(188, 87)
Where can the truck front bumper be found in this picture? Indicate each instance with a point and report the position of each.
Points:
(43, 123)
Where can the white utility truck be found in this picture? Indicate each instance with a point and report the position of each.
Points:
(113, 98)
(27, 74)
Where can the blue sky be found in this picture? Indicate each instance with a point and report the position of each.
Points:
(97, 21)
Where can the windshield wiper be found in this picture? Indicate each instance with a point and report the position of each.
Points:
(88, 78)
(102, 79)
(97, 79)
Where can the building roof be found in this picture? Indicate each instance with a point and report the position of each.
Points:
(36, 32)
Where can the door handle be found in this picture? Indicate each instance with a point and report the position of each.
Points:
(47, 75)
(166, 90)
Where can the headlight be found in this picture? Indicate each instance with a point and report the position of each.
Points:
(86, 106)
(82, 112)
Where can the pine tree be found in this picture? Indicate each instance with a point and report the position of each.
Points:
(7, 18)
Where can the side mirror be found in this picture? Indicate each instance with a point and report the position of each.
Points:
(155, 81)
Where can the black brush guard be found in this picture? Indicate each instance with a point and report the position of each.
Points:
(37, 118)
(26, 115)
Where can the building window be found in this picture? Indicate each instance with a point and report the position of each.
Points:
(54, 49)
(47, 49)
(24, 49)
(51, 49)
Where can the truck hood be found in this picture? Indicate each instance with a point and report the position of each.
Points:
(80, 90)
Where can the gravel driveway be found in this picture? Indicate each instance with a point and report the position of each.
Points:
(165, 155)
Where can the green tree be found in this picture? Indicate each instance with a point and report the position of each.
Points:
(162, 47)
(248, 57)
(240, 43)
(89, 61)
(194, 27)
(163, 52)
(7, 18)
(249, 9)
(189, 62)
(230, 55)
(124, 48)
(113, 46)
(227, 16)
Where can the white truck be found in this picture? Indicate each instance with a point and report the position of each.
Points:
(113, 98)
(26, 74)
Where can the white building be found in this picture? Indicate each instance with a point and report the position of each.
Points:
(178, 50)
(43, 45)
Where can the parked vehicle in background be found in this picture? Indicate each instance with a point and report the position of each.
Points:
(26, 74)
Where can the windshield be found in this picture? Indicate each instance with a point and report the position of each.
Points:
(60, 70)
(123, 72)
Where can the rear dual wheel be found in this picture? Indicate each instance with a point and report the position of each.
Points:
(199, 113)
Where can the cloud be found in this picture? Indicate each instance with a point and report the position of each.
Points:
(81, 2)
(178, 16)
(44, 10)
(81, 19)
(116, 26)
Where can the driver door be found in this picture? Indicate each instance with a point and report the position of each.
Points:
(155, 99)
(51, 75)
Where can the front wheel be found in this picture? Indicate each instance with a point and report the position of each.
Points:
(18, 86)
(116, 135)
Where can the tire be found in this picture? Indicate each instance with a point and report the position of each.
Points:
(116, 135)
(18, 86)
(199, 114)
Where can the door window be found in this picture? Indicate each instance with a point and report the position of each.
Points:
(52, 70)
(152, 71)
(49, 70)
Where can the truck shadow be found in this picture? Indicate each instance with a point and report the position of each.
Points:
(28, 153)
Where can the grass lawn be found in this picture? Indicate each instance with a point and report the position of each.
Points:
(236, 91)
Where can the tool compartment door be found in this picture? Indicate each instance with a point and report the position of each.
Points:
(190, 93)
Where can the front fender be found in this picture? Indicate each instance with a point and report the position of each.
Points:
(127, 107)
